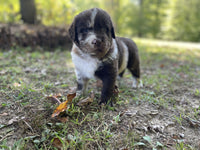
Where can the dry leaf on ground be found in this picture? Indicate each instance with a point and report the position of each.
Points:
(63, 106)
(63, 119)
(54, 99)
(57, 143)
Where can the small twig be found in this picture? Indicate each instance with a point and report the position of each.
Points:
(28, 125)
(162, 95)
(53, 98)
(7, 135)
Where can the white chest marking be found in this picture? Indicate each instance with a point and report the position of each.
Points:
(85, 65)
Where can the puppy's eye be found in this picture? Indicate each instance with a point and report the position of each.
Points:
(85, 30)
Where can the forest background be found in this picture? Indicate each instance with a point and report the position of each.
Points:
(160, 19)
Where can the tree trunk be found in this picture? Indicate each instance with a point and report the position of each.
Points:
(140, 32)
(28, 11)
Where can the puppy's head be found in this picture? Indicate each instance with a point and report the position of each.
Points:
(92, 31)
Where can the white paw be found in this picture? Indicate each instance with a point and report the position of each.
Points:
(140, 84)
(137, 83)
(134, 85)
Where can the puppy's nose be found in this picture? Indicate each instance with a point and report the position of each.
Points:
(96, 42)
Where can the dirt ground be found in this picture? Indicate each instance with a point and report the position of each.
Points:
(164, 114)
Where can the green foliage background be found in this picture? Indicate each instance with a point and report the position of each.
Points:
(163, 19)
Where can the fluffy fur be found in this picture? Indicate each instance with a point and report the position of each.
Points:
(97, 53)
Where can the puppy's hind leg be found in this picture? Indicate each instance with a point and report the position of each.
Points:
(135, 71)
(121, 74)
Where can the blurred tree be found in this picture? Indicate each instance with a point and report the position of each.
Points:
(145, 18)
(28, 11)
(141, 18)
(185, 22)
(164, 19)
(9, 11)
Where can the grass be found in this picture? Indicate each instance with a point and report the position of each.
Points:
(152, 117)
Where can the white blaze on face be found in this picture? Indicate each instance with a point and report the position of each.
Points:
(94, 13)
(91, 35)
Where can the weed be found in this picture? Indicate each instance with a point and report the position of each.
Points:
(179, 119)
(182, 146)
(197, 93)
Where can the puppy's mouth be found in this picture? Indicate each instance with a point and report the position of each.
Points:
(95, 52)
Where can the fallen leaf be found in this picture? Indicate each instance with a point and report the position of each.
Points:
(175, 136)
(131, 113)
(71, 96)
(28, 70)
(54, 99)
(3, 72)
(63, 119)
(162, 66)
(4, 114)
(16, 84)
(87, 100)
(57, 143)
(156, 128)
(11, 121)
(63, 106)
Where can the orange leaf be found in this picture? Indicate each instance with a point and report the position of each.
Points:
(162, 66)
(71, 96)
(63, 106)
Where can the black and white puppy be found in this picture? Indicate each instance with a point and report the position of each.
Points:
(98, 53)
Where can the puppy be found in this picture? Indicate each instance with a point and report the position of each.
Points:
(98, 53)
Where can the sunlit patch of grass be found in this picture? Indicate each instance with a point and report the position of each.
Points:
(168, 53)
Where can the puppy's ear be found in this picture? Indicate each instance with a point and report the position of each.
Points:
(113, 32)
(73, 33)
